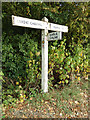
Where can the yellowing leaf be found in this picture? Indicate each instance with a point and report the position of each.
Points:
(21, 97)
(33, 61)
(31, 54)
(60, 82)
(49, 63)
(30, 65)
(81, 54)
(75, 76)
(17, 83)
(21, 100)
(78, 71)
(78, 78)
(29, 61)
(63, 82)
(67, 76)
(24, 96)
(66, 54)
(38, 53)
(77, 68)
(20, 86)
(37, 75)
(81, 64)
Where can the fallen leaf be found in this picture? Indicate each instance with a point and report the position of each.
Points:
(70, 102)
(31, 98)
(76, 102)
(46, 102)
(60, 114)
(54, 103)
(82, 94)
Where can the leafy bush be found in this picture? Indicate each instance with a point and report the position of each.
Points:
(64, 66)
(21, 64)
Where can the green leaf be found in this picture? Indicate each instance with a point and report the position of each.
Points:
(68, 62)
(66, 81)
(1, 73)
(72, 66)
(1, 78)
(3, 116)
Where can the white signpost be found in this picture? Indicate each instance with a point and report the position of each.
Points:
(25, 22)
(45, 26)
(54, 36)
(56, 27)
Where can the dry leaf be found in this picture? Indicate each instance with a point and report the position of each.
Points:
(31, 98)
(76, 102)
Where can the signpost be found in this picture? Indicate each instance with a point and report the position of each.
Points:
(54, 36)
(32, 23)
(25, 22)
(56, 27)
(45, 26)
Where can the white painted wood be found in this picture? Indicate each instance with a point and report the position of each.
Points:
(31, 23)
(26, 22)
(54, 36)
(44, 43)
(56, 27)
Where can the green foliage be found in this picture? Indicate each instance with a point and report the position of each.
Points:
(16, 54)
(21, 62)
(62, 64)
(1, 79)
(21, 47)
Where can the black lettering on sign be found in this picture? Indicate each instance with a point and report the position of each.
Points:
(53, 37)
(56, 27)
(27, 22)
(23, 21)
(32, 23)
(56, 36)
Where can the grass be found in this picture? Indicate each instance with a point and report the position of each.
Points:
(66, 102)
(61, 98)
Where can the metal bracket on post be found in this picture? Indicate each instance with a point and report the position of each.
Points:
(44, 45)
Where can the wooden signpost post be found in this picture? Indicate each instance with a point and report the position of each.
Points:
(45, 26)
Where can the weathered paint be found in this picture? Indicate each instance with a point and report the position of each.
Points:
(44, 36)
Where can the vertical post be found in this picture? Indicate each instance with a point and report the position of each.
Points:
(44, 45)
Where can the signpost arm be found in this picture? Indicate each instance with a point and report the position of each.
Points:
(44, 45)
